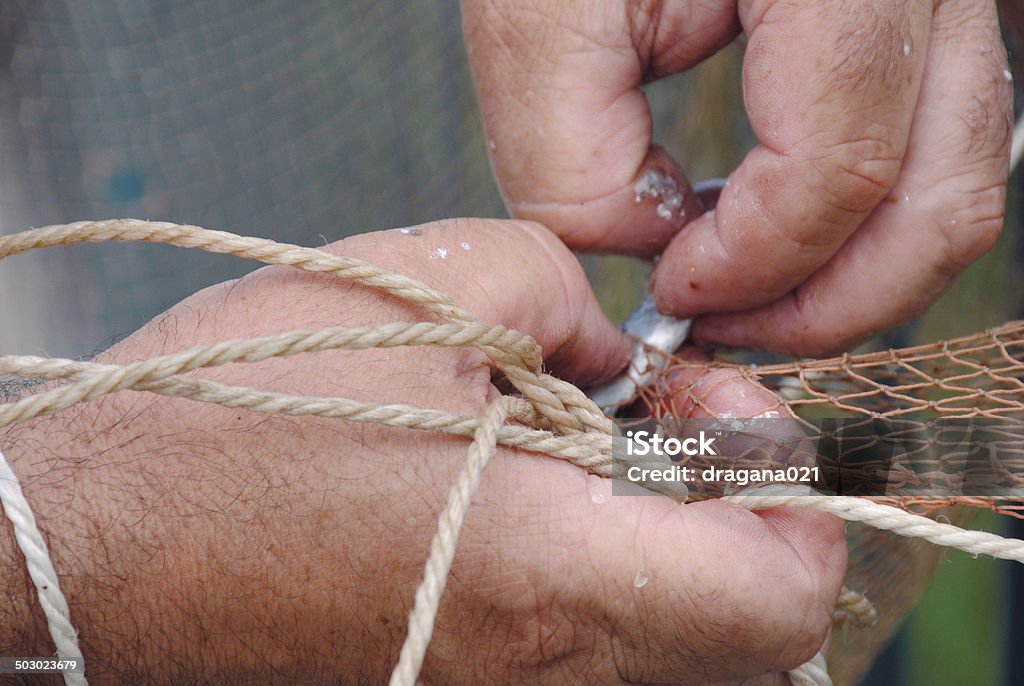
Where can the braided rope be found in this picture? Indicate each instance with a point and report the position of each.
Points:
(892, 519)
(814, 672)
(853, 609)
(580, 431)
(40, 569)
(442, 547)
(93, 380)
(546, 400)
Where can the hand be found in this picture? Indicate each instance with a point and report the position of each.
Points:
(884, 127)
(200, 543)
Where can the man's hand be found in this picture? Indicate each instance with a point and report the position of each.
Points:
(198, 543)
(884, 128)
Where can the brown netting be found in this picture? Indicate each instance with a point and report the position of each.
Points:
(977, 377)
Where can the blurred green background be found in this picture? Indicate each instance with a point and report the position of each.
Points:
(309, 121)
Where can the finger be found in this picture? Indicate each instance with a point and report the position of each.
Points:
(698, 392)
(945, 212)
(568, 129)
(830, 94)
(694, 592)
(512, 273)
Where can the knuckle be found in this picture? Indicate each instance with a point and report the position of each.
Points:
(986, 117)
(984, 126)
(857, 174)
(969, 231)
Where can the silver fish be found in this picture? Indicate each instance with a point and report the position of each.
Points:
(656, 336)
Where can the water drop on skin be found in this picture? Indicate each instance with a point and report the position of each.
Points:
(597, 498)
(1007, 75)
(465, 246)
(906, 49)
(640, 580)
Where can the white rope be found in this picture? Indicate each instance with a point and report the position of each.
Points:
(893, 519)
(40, 569)
(814, 672)
(591, 451)
(879, 516)
(442, 547)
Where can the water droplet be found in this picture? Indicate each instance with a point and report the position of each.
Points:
(465, 246)
(953, 221)
(598, 498)
(906, 197)
(906, 48)
(411, 231)
(439, 254)
(641, 579)
(492, 145)
(985, 49)
(1007, 75)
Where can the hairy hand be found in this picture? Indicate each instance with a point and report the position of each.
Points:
(200, 543)
(884, 130)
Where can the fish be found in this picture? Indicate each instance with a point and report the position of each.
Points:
(655, 335)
